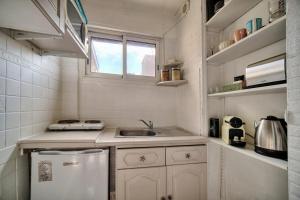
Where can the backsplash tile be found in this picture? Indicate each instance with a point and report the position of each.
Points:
(12, 120)
(25, 79)
(13, 104)
(2, 67)
(12, 136)
(12, 87)
(2, 85)
(13, 71)
(2, 122)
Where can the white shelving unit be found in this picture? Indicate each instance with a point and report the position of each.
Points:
(282, 164)
(260, 90)
(172, 83)
(230, 12)
(265, 36)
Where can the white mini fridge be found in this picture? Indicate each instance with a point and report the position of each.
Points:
(70, 175)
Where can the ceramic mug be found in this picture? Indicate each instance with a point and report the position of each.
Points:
(253, 25)
(240, 34)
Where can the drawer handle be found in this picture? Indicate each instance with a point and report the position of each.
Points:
(188, 155)
(142, 158)
(163, 198)
(169, 197)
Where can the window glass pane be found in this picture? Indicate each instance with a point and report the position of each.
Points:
(140, 58)
(107, 56)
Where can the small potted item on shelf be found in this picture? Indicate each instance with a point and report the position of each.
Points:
(240, 79)
(276, 9)
(225, 44)
(253, 25)
(218, 6)
(176, 74)
(164, 74)
(239, 34)
(238, 84)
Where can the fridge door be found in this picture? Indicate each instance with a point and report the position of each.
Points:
(70, 175)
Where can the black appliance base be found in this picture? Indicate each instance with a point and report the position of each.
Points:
(271, 153)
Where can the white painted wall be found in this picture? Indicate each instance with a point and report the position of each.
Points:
(116, 102)
(29, 101)
(184, 42)
(293, 72)
(124, 102)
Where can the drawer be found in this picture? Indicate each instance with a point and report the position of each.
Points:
(142, 157)
(185, 155)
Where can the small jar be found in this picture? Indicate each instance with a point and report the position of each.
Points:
(176, 74)
(164, 75)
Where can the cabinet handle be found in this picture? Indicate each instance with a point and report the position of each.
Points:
(188, 155)
(169, 197)
(142, 158)
(163, 198)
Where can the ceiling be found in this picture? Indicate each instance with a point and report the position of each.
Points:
(167, 5)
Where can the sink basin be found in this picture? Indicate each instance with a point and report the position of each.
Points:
(135, 133)
(123, 132)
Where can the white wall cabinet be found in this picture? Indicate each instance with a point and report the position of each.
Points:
(37, 16)
(170, 181)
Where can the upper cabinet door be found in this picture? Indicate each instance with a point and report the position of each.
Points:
(54, 10)
(37, 16)
(141, 184)
(186, 182)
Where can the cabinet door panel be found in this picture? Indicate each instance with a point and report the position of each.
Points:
(185, 155)
(144, 157)
(186, 182)
(141, 184)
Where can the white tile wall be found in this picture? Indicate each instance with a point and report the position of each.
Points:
(27, 105)
(116, 102)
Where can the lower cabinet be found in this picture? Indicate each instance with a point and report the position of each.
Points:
(141, 184)
(185, 181)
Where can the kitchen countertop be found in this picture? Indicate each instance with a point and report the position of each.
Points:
(106, 138)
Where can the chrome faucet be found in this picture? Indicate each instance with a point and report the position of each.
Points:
(149, 124)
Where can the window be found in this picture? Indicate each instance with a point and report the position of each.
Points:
(120, 56)
(140, 58)
(107, 56)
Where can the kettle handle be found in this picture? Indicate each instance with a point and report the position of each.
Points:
(284, 125)
(255, 124)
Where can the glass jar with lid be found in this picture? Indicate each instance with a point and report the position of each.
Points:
(176, 73)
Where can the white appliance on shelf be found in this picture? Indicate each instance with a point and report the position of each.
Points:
(67, 125)
(70, 175)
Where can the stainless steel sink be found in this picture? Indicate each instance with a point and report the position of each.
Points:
(135, 133)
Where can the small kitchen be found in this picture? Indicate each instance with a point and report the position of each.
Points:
(149, 99)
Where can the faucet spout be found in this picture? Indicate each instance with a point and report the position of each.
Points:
(149, 124)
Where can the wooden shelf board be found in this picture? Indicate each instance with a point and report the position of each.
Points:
(230, 12)
(172, 83)
(260, 90)
(267, 35)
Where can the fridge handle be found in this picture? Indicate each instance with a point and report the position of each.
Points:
(88, 151)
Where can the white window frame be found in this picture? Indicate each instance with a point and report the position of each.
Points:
(123, 37)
